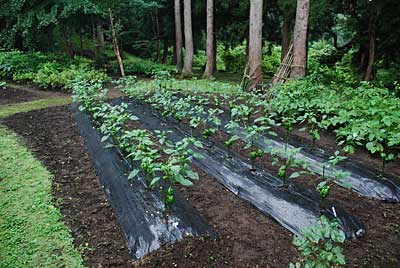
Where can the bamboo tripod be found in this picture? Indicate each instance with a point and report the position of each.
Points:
(284, 69)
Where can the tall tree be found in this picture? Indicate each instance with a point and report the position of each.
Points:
(178, 35)
(371, 40)
(187, 14)
(210, 47)
(285, 33)
(299, 66)
(255, 43)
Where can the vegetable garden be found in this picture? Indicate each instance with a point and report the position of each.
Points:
(199, 134)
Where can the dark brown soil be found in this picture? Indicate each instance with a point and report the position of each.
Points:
(380, 247)
(53, 137)
(15, 93)
(247, 238)
(12, 95)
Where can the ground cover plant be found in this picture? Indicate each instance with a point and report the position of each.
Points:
(32, 232)
(9, 109)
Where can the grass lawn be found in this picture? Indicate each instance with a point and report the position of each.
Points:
(32, 233)
(10, 109)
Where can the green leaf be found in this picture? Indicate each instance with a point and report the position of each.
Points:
(104, 138)
(154, 181)
(133, 174)
(198, 144)
(183, 181)
(294, 175)
(192, 175)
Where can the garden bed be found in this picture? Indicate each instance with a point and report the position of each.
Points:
(246, 237)
(381, 221)
(13, 95)
(295, 207)
(140, 211)
(363, 179)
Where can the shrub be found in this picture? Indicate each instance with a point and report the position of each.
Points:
(235, 58)
(46, 70)
(366, 115)
(134, 65)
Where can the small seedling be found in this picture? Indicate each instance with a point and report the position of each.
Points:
(207, 133)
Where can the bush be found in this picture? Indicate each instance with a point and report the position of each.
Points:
(134, 65)
(46, 70)
(17, 63)
(199, 59)
(387, 75)
(235, 58)
(366, 115)
(51, 76)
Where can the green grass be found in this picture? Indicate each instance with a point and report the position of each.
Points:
(10, 109)
(32, 233)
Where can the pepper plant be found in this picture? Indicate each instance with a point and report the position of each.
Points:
(177, 167)
(228, 144)
(323, 187)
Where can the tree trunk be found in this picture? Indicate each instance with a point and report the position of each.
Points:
(299, 66)
(100, 36)
(178, 35)
(188, 63)
(157, 26)
(115, 45)
(165, 51)
(81, 39)
(255, 43)
(285, 34)
(371, 41)
(210, 61)
(68, 44)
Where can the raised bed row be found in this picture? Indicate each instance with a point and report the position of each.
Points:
(294, 207)
(361, 178)
(138, 210)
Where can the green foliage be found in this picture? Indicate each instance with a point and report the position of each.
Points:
(235, 58)
(26, 20)
(47, 70)
(138, 145)
(324, 186)
(387, 75)
(134, 65)
(319, 246)
(363, 116)
(199, 59)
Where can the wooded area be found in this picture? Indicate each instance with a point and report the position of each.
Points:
(368, 30)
